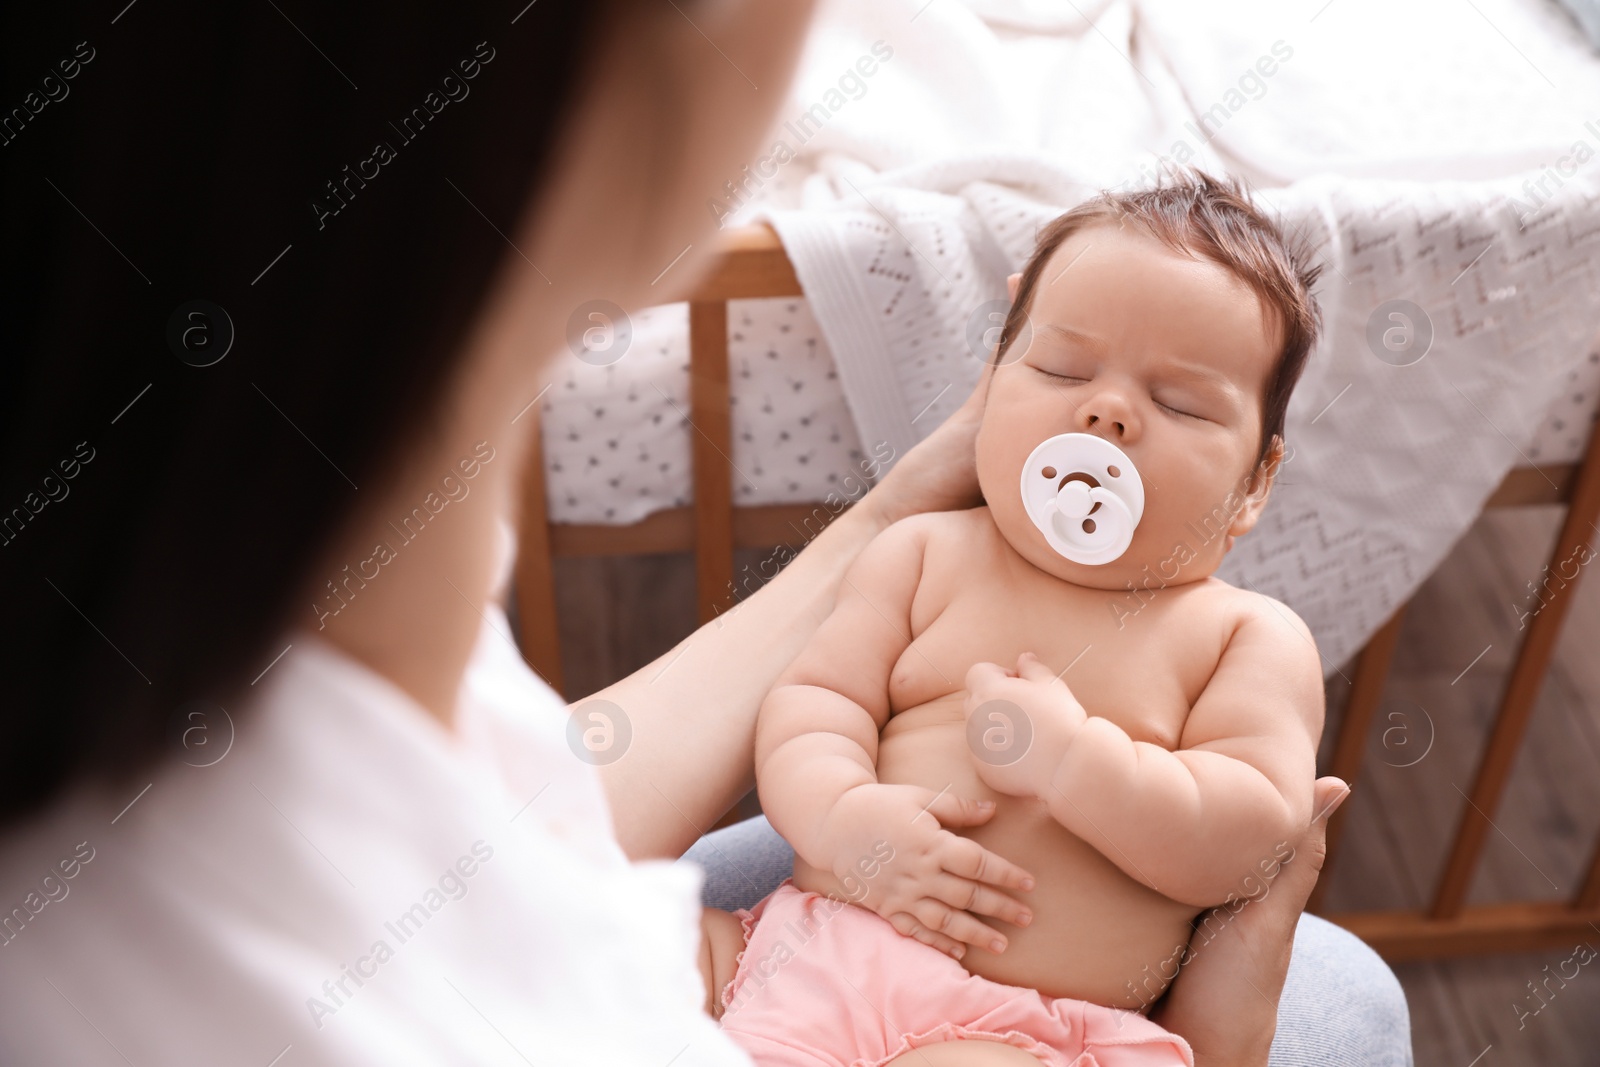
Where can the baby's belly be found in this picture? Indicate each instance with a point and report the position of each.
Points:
(1097, 934)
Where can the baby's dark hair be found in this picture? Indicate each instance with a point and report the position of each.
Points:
(1197, 214)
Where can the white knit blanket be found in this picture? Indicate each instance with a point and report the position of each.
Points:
(907, 205)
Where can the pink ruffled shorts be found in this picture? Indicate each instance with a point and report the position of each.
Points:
(823, 982)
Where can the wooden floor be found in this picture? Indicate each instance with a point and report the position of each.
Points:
(617, 614)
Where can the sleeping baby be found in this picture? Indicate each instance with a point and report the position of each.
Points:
(1035, 740)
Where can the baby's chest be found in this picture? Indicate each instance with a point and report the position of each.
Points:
(1143, 675)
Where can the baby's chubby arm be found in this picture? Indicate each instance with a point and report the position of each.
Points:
(1195, 823)
(816, 754)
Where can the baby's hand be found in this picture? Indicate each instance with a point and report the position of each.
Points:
(1019, 725)
(892, 854)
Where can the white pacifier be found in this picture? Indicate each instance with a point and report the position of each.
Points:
(1084, 495)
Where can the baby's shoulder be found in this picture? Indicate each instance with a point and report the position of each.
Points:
(1264, 619)
(1254, 606)
(942, 548)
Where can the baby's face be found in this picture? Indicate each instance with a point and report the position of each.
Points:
(1165, 356)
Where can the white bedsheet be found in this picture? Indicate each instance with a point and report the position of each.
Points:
(923, 186)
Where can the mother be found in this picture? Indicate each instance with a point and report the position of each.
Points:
(273, 781)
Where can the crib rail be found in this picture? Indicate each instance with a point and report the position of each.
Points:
(1448, 926)
(752, 264)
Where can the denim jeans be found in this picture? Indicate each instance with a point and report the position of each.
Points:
(1341, 1006)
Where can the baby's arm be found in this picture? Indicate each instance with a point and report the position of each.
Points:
(1195, 823)
(816, 765)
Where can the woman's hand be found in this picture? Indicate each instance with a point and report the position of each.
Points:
(941, 472)
(1225, 999)
(892, 855)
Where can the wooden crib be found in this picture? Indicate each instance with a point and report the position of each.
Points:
(752, 264)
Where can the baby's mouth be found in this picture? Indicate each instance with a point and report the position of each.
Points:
(1087, 514)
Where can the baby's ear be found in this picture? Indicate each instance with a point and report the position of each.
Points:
(1257, 488)
(1011, 287)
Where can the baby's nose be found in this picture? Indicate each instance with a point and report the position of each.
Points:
(1119, 427)
(1109, 414)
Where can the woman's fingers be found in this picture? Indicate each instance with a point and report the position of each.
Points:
(979, 899)
(965, 857)
(1266, 927)
(1269, 924)
(1226, 997)
(953, 810)
(1299, 876)
(940, 473)
(908, 925)
(942, 918)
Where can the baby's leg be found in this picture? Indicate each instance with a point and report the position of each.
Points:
(970, 1052)
(721, 939)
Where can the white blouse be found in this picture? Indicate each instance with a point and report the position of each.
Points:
(351, 883)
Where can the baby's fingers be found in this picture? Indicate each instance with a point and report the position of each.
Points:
(965, 858)
(1031, 668)
(981, 676)
(941, 918)
(952, 810)
(908, 925)
(981, 900)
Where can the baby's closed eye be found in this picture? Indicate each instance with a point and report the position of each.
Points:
(1175, 406)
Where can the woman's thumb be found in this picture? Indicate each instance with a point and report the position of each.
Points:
(1328, 794)
(1312, 848)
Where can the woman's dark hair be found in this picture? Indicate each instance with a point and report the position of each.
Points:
(309, 192)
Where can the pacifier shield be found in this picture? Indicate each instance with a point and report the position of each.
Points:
(1085, 495)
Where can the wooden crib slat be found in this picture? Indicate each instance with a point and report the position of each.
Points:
(1522, 690)
(1518, 926)
(751, 265)
(712, 424)
(1527, 486)
(672, 530)
(538, 633)
(1588, 898)
(1366, 693)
